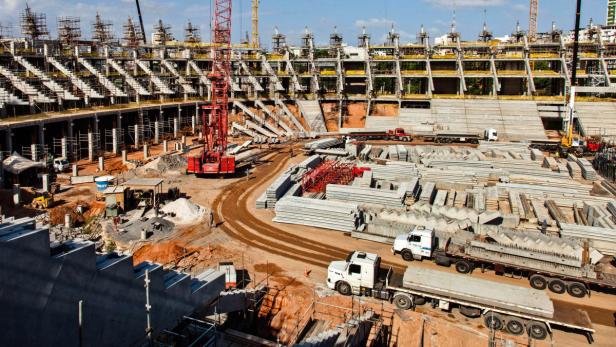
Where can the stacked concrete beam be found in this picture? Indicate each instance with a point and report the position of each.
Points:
(277, 189)
(325, 214)
(370, 196)
(602, 239)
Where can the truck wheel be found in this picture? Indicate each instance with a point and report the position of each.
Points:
(577, 290)
(407, 255)
(463, 267)
(470, 312)
(538, 282)
(515, 326)
(403, 301)
(493, 320)
(537, 330)
(344, 288)
(557, 286)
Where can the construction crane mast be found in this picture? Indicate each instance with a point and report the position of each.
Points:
(255, 24)
(532, 19)
(214, 159)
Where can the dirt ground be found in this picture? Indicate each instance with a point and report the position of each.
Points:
(331, 115)
(385, 110)
(356, 118)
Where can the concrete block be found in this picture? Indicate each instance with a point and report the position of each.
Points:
(75, 171)
(124, 156)
(45, 183)
(146, 151)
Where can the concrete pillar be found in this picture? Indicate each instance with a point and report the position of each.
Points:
(176, 127)
(45, 183)
(124, 156)
(146, 151)
(34, 151)
(200, 135)
(156, 132)
(165, 147)
(119, 120)
(194, 124)
(9, 141)
(1, 170)
(64, 145)
(115, 145)
(67, 221)
(90, 147)
(75, 171)
(42, 134)
(101, 164)
(137, 137)
(183, 140)
(16, 194)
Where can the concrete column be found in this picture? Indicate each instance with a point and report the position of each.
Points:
(45, 183)
(64, 145)
(194, 124)
(69, 129)
(200, 135)
(75, 171)
(124, 156)
(16, 194)
(176, 127)
(41, 130)
(90, 147)
(165, 146)
(137, 138)
(146, 151)
(183, 140)
(115, 145)
(101, 164)
(1, 170)
(119, 120)
(9, 141)
(34, 151)
(67, 221)
(156, 132)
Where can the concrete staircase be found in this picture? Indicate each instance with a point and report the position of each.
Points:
(202, 77)
(260, 121)
(268, 68)
(34, 95)
(311, 111)
(7, 98)
(160, 85)
(275, 117)
(56, 88)
(76, 81)
(251, 77)
(290, 115)
(186, 85)
(41, 288)
(138, 88)
(103, 80)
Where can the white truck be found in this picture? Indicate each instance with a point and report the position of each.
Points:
(503, 307)
(563, 267)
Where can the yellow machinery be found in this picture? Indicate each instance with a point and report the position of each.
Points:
(569, 140)
(43, 201)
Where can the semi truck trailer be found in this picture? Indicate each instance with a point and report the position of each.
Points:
(547, 262)
(516, 310)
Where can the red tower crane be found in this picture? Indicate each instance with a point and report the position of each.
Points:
(214, 158)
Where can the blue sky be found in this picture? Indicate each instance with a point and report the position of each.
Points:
(349, 16)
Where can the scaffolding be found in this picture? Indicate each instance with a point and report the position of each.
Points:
(34, 25)
(132, 34)
(102, 31)
(69, 30)
(279, 42)
(72, 148)
(191, 33)
(162, 34)
(108, 140)
(37, 151)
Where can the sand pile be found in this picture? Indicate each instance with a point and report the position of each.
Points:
(183, 212)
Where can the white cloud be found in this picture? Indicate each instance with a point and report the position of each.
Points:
(9, 4)
(374, 23)
(466, 3)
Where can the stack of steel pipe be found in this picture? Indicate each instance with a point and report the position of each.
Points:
(325, 214)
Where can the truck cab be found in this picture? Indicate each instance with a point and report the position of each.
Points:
(490, 135)
(416, 245)
(61, 164)
(357, 274)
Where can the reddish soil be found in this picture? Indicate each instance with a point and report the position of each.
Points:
(330, 113)
(385, 110)
(356, 115)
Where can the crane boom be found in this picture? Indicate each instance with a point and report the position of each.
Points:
(532, 19)
(255, 24)
(141, 23)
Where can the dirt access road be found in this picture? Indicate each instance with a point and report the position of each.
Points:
(234, 209)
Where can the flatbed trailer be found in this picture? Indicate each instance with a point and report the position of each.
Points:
(503, 307)
(450, 137)
(398, 134)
